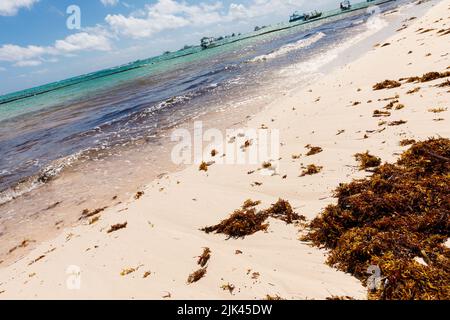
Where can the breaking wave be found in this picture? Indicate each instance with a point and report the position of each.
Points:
(303, 43)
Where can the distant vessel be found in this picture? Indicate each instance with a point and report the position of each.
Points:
(296, 16)
(207, 42)
(345, 5)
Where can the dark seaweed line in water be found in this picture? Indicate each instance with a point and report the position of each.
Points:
(109, 72)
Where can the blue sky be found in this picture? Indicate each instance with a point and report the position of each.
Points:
(37, 47)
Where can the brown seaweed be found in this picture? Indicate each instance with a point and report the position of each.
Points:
(204, 258)
(380, 113)
(416, 89)
(228, 287)
(437, 110)
(406, 142)
(390, 219)
(282, 210)
(311, 169)
(313, 150)
(247, 220)
(196, 275)
(386, 84)
(87, 213)
(203, 166)
(397, 122)
(117, 226)
(138, 195)
(366, 160)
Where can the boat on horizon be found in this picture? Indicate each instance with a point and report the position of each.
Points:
(296, 16)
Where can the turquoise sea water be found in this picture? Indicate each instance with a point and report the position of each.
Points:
(113, 107)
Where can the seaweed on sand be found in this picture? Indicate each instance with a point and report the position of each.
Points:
(390, 219)
(437, 110)
(429, 76)
(397, 122)
(339, 298)
(313, 150)
(386, 84)
(204, 258)
(380, 113)
(446, 83)
(246, 220)
(242, 222)
(23, 244)
(282, 210)
(196, 275)
(230, 287)
(203, 166)
(88, 213)
(250, 203)
(390, 104)
(117, 226)
(138, 195)
(416, 89)
(311, 169)
(406, 142)
(366, 160)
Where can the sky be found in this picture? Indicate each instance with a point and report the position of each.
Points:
(42, 41)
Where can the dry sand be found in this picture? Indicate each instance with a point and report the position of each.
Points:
(162, 234)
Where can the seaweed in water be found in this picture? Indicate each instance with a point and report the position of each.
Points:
(389, 220)
(311, 169)
(366, 160)
(204, 258)
(196, 275)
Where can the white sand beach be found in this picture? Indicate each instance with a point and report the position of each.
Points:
(152, 257)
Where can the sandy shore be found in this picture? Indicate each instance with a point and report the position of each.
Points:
(152, 257)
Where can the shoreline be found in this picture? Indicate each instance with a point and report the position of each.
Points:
(159, 228)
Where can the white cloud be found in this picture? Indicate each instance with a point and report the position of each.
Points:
(28, 63)
(164, 15)
(11, 7)
(12, 53)
(30, 56)
(83, 41)
(109, 2)
(172, 14)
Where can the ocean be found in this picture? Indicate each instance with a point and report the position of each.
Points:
(81, 142)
